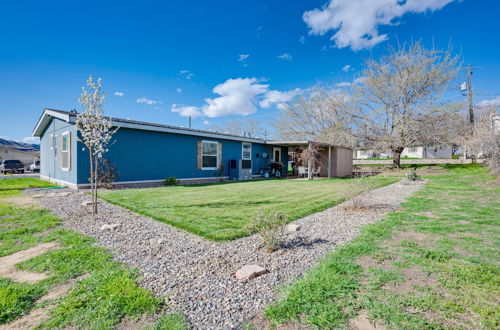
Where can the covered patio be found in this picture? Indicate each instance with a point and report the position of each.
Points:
(334, 161)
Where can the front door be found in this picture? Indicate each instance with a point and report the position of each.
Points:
(277, 155)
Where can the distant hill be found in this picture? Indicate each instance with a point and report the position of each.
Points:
(19, 145)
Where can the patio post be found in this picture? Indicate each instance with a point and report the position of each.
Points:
(309, 162)
(329, 161)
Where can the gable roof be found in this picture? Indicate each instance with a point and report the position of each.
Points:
(70, 117)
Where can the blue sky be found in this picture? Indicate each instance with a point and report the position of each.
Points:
(217, 60)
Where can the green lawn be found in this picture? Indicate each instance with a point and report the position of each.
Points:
(433, 265)
(109, 294)
(222, 211)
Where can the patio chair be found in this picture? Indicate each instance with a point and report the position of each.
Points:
(302, 171)
(317, 171)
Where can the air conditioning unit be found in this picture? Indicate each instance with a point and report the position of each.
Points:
(240, 169)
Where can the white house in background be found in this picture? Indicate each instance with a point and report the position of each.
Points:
(440, 151)
(25, 156)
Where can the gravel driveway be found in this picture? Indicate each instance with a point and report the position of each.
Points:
(197, 275)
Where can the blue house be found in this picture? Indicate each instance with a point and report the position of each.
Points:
(147, 153)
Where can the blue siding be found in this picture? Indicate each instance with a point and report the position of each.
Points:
(50, 165)
(147, 155)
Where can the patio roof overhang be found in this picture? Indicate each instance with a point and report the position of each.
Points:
(301, 143)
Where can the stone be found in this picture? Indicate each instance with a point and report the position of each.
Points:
(292, 227)
(37, 196)
(249, 272)
(80, 193)
(109, 227)
(87, 203)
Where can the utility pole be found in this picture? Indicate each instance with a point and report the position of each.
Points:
(469, 91)
(189, 121)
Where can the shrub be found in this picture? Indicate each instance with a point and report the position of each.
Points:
(413, 176)
(219, 173)
(271, 227)
(107, 174)
(171, 181)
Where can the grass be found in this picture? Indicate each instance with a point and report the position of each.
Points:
(222, 211)
(432, 265)
(108, 294)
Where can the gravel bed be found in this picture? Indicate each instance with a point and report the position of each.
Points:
(197, 276)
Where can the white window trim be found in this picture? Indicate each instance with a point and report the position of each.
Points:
(242, 150)
(66, 169)
(216, 155)
(51, 142)
(274, 154)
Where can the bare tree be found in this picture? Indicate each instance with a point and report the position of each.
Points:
(485, 142)
(403, 99)
(309, 155)
(242, 127)
(321, 115)
(95, 130)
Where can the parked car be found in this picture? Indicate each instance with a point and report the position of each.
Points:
(35, 167)
(11, 165)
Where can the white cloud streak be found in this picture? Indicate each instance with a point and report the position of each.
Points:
(243, 57)
(356, 22)
(186, 74)
(346, 68)
(278, 98)
(147, 101)
(119, 93)
(186, 111)
(285, 56)
(493, 103)
(357, 81)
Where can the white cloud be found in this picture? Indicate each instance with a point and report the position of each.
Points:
(206, 122)
(493, 103)
(186, 111)
(302, 39)
(31, 139)
(119, 93)
(278, 98)
(346, 68)
(285, 56)
(147, 101)
(186, 74)
(179, 90)
(357, 81)
(237, 97)
(356, 22)
(243, 57)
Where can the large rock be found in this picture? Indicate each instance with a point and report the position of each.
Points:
(87, 203)
(249, 272)
(37, 196)
(292, 227)
(109, 227)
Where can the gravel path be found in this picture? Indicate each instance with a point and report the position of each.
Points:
(197, 275)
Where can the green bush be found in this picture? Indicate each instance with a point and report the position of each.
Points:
(270, 227)
(172, 181)
(412, 176)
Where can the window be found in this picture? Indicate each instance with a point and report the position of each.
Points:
(414, 149)
(65, 151)
(246, 150)
(210, 155)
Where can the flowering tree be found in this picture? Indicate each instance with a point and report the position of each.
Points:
(95, 130)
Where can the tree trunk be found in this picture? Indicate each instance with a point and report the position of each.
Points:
(396, 157)
(91, 177)
(96, 182)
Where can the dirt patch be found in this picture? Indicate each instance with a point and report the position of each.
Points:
(8, 269)
(427, 214)
(22, 201)
(361, 322)
(28, 321)
(7, 224)
(413, 277)
(412, 236)
(367, 262)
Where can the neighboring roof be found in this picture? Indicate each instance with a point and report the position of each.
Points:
(70, 117)
(301, 143)
(31, 152)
